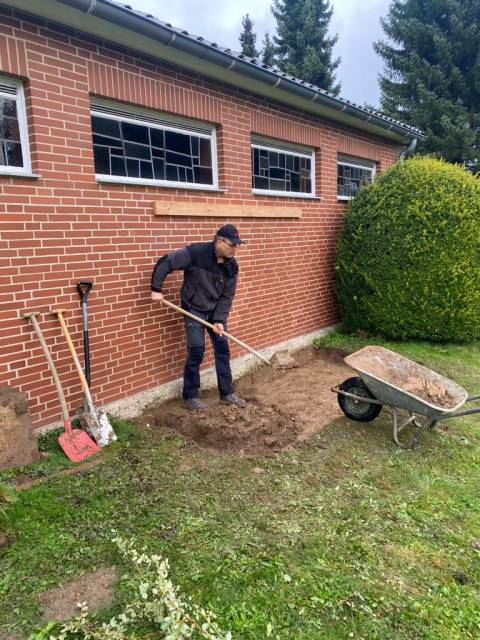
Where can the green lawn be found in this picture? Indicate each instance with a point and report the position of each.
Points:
(345, 537)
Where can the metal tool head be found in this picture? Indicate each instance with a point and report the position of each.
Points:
(30, 314)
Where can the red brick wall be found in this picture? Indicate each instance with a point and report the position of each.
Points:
(65, 226)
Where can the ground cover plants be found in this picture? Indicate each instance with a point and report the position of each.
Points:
(341, 536)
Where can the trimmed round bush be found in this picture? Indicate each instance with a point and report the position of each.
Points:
(408, 256)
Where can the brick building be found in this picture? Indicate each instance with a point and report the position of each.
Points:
(124, 138)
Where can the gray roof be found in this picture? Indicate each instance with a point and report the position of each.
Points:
(224, 57)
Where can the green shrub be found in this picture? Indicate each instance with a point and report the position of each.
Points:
(408, 256)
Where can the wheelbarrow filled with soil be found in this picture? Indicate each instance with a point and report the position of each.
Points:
(387, 378)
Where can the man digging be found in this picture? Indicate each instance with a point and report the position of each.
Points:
(210, 274)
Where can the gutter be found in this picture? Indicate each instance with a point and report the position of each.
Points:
(150, 27)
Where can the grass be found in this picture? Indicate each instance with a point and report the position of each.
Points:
(345, 537)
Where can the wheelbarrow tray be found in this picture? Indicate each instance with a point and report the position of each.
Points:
(387, 374)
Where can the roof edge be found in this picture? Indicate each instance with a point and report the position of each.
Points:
(228, 61)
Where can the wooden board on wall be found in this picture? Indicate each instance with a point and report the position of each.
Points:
(168, 208)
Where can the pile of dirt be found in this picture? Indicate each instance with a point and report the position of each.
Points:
(18, 446)
(284, 407)
(430, 391)
(255, 428)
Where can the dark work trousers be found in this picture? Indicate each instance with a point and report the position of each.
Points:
(195, 333)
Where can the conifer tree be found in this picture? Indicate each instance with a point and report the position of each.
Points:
(248, 38)
(303, 46)
(268, 50)
(431, 78)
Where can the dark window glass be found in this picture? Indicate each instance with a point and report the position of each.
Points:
(133, 168)
(140, 151)
(146, 170)
(350, 178)
(133, 150)
(118, 166)
(203, 175)
(14, 154)
(157, 137)
(177, 142)
(102, 164)
(159, 169)
(8, 107)
(176, 158)
(281, 171)
(172, 172)
(106, 127)
(10, 145)
(135, 132)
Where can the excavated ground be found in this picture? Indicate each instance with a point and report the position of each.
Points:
(284, 407)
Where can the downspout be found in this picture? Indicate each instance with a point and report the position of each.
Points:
(407, 150)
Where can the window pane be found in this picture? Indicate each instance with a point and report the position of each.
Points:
(135, 132)
(177, 142)
(137, 150)
(350, 178)
(101, 156)
(118, 166)
(281, 171)
(14, 154)
(10, 146)
(8, 107)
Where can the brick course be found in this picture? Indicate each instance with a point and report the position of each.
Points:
(64, 226)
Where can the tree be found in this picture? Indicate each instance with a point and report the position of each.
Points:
(432, 74)
(303, 47)
(268, 50)
(248, 38)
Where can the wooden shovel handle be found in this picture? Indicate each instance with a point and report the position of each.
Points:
(86, 390)
(32, 316)
(211, 326)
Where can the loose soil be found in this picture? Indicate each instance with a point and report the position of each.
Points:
(96, 589)
(284, 407)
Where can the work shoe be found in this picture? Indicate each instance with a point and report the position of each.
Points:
(195, 404)
(232, 398)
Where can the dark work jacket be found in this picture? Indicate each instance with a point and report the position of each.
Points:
(208, 285)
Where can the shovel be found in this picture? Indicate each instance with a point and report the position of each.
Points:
(96, 421)
(278, 361)
(76, 444)
(83, 288)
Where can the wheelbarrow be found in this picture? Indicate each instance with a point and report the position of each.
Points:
(386, 378)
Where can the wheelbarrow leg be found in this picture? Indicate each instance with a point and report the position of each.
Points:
(428, 423)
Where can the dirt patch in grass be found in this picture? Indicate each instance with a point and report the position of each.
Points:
(96, 589)
(24, 481)
(284, 407)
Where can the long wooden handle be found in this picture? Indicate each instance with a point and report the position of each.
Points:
(211, 326)
(51, 364)
(86, 390)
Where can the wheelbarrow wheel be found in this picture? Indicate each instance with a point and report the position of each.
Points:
(356, 409)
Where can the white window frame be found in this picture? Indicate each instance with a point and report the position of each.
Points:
(19, 98)
(289, 150)
(357, 163)
(168, 126)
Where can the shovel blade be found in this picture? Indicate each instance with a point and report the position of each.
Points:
(77, 445)
(98, 426)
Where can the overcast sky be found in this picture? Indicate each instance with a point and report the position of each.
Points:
(357, 24)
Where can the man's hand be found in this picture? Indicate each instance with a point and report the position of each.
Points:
(157, 296)
(218, 328)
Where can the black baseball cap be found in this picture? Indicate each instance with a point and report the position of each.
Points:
(230, 232)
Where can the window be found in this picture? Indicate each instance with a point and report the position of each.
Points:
(351, 174)
(14, 149)
(144, 147)
(282, 169)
